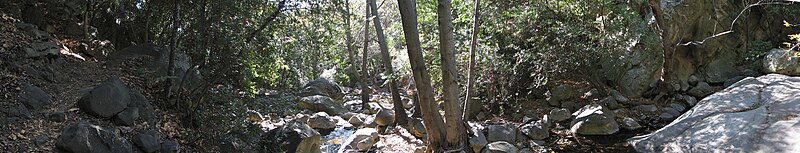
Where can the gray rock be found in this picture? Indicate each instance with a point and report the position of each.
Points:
(720, 69)
(569, 105)
(42, 49)
(501, 132)
(34, 98)
(170, 146)
(384, 117)
(477, 140)
(594, 120)
(609, 102)
(701, 90)
(107, 99)
(630, 124)
(559, 114)
(361, 140)
(782, 61)
(500, 147)
(535, 130)
(321, 120)
(666, 116)
(693, 80)
(553, 102)
(147, 141)
(417, 127)
(689, 100)
(19, 111)
(294, 136)
(754, 115)
(373, 108)
(562, 92)
(324, 87)
(41, 140)
(138, 101)
(355, 120)
(732, 80)
(592, 94)
(319, 103)
(57, 117)
(646, 108)
(83, 137)
(671, 111)
(678, 107)
(618, 96)
(127, 117)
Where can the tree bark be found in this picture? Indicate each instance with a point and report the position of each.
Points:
(453, 110)
(399, 111)
(172, 50)
(365, 91)
(668, 42)
(473, 47)
(351, 54)
(434, 125)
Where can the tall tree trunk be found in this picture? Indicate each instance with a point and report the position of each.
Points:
(399, 111)
(173, 48)
(669, 43)
(365, 91)
(434, 125)
(473, 47)
(351, 55)
(453, 110)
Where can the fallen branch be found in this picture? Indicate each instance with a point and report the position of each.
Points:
(760, 3)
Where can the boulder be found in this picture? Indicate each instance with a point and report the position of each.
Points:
(143, 106)
(324, 87)
(34, 98)
(646, 108)
(501, 132)
(500, 147)
(361, 140)
(170, 146)
(477, 140)
(782, 61)
(320, 103)
(18, 111)
(678, 107)
(630, 124)
(535, 130)
(618, 96)
(384, 117)
(689, 100)
(732, 80)
(417, 127)
(701, 90)
(321, 120)
(42, 49)
(559, 114)
(752, 115)
(355, 120)
(83, 137)
(127, 116)
(609, 102)
(107, 99)
(594, 120)
(147, 141)
(57, 117)
(561, 92)
(294, 136)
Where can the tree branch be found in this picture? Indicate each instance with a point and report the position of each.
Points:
(281, 5)
(759, 3)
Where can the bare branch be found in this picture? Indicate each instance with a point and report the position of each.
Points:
(760, 3)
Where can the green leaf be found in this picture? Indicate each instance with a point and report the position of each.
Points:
(786, 23)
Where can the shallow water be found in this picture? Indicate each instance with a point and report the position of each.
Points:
(333, 141)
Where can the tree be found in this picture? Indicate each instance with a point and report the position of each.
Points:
(400, 113)
(473, 47)
(453, 110)
(351, 55)
(669, 42)
(365, 91)
(434, 125)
